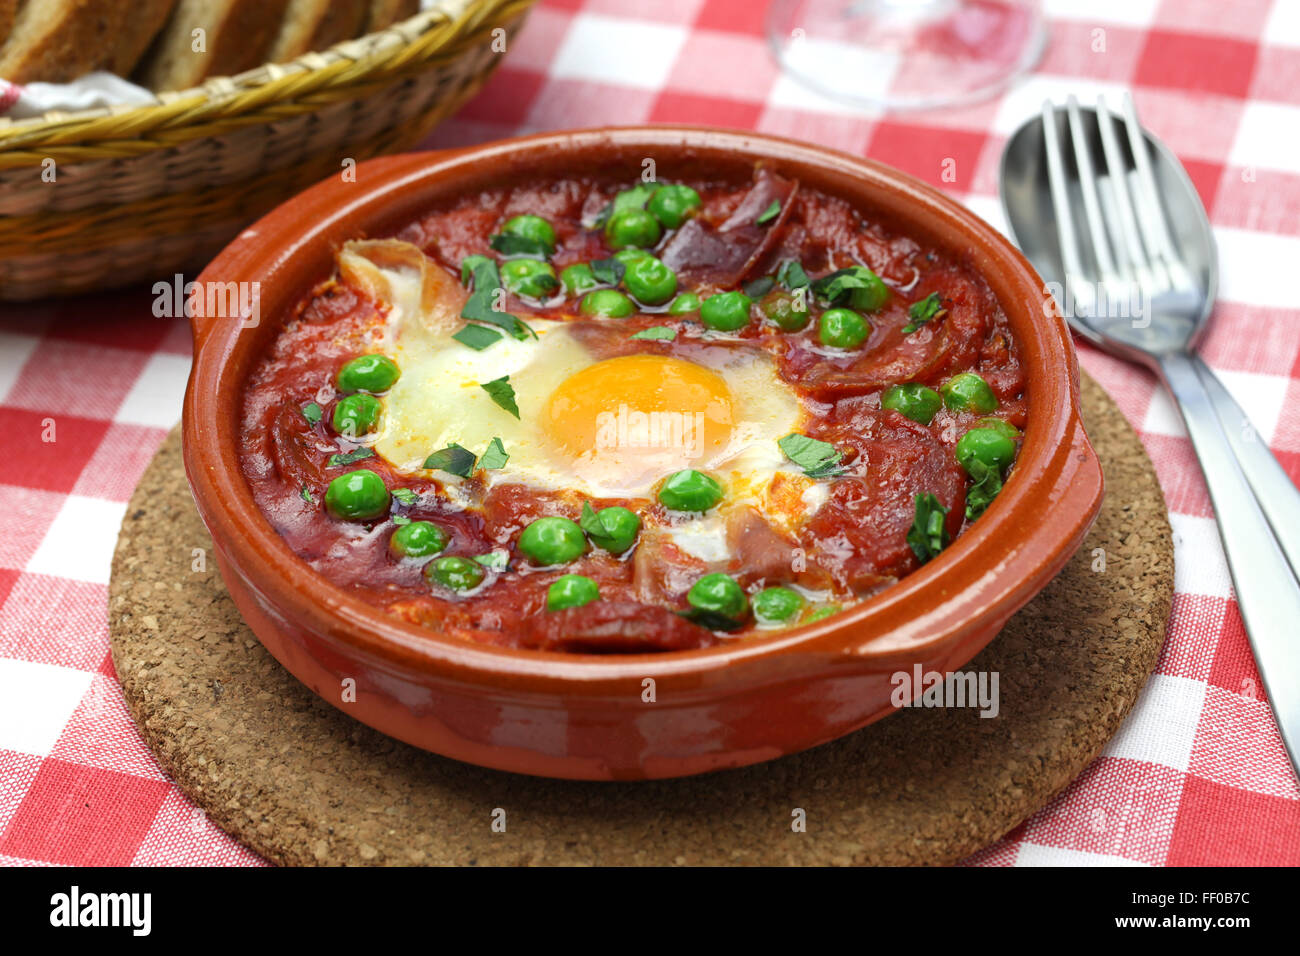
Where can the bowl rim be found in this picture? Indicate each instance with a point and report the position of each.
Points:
(914, 617)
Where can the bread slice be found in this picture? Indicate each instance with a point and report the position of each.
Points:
(59, 40)
(317, 25)
(384, 13)
(8, 11)
(237, 36)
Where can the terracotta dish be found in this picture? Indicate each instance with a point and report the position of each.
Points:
(630, 716)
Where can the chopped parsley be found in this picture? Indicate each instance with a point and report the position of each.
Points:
(656, 333)
(494, 456)
(923, 311)
(928, 535)
(840, 283)
(757, 288)
(477, 337)
(305, 494)
(312, 412)
(406, 496)
(503, 393)
(453, 459)
(520, 246)
(469, 264)
(988, 482)
(608, 271)
(401, 520)
(818, 459)
(495, 560)
(709, 619)
(598, 530)
(791, 275)
(768, 214)
(634, 198)
(347, 458)
(480, 306)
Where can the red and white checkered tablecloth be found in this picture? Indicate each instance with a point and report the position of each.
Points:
(1197, 775)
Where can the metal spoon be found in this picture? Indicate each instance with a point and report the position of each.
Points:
(1109, 217)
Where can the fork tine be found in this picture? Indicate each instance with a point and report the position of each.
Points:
(1151, 213)
(1088, 183)
(1130, 248)
(1065, 229)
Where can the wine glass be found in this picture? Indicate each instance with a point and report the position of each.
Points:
(906, 54)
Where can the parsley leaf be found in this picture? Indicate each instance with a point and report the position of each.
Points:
(401, 520)
(988, 482)
(312, 412)
(479, 306)
(477, 337)
(791, 275)
(305, 494)
(471, 263)
(709, 619)
(608, 271)
(841, 282)
(768, 214)
(759, 287)
(818, 459)
(495, 560)
(406, 496)
(656, 333)
(347, 458)
(503, 393)
(453, 459)
(521, 246)
(923, 311)
(634, 198)
(928, 535)
(494, 456)
(594, 523)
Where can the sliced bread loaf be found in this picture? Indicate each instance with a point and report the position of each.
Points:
(317, 25)
(236, 36)
(59, 40)
(384, 13)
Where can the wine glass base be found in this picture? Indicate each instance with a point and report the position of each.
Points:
(906, 54)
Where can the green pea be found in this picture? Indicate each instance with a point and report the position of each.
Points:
(788, 312)
(914, 400)
(531, 227)
(871, 296)
(1001, 427)
(672, 204)
(619, 528)
(968, 392)
(685, 303)
(632, 227)
(773, 605)
(989, 447)
(650, 281)
(418, 539)
(578, 278)
(357, 496)
(726, 311)
(842, 329)
(690, 490)
(825, 611)
(571, 590)
(368, 373)
(529, 277)
(608, 302)
(629, 255)
(719, 594)
(552, 540)
(458, 574)
(357, 415)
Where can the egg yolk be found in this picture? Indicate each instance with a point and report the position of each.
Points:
(631, 420)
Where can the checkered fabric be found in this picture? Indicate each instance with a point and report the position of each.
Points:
(1197, 775)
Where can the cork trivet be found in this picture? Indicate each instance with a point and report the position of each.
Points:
(302, 783)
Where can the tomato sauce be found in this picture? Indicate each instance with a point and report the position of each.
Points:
(852, 545)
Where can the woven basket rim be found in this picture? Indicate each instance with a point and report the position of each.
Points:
(376, 46)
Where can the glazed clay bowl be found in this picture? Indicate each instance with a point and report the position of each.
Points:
(651, 715)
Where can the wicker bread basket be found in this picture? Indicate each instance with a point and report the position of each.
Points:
(143, 192)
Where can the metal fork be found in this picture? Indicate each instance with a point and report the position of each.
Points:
(1125, 252)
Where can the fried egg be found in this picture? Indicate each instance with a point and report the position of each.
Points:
(608, 427)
